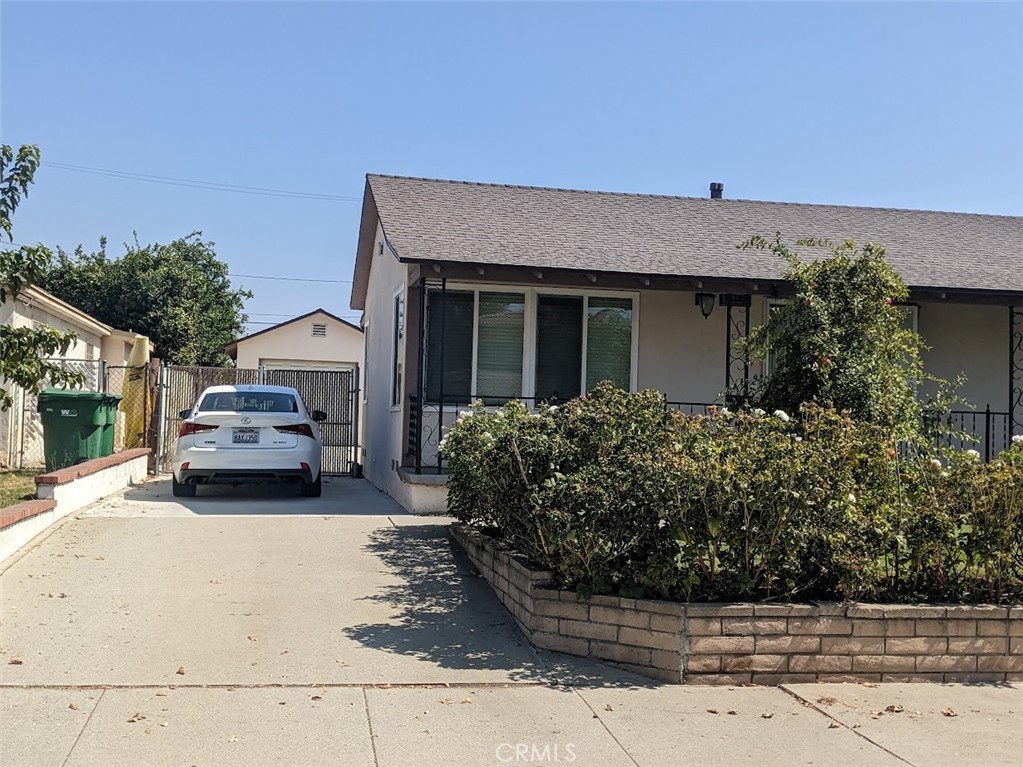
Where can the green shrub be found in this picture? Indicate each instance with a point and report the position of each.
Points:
(617, 496)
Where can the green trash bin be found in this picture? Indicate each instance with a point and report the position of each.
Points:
(110, 405)
(73, 423)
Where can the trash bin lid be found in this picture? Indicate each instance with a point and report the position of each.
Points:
(53, 395)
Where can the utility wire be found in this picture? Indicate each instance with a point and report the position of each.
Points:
(245, 276)
(288, 279)
(196, 184)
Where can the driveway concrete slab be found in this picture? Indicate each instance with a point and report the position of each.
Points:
(336, 600)
(39, 727)
(224, 728)
(511, 725)
(670, 725)
(986, 729)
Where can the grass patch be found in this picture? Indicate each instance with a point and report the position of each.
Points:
(16, 486)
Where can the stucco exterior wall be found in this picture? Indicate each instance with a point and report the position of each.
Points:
(973, 340)
(294, 345)
(383, 439)
(681, 353)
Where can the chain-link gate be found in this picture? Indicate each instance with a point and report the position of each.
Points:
(135, 413)
(335, 392)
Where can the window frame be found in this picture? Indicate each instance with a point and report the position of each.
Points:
(531, 295)
(398, 348)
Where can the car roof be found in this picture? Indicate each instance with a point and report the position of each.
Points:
(250, 388)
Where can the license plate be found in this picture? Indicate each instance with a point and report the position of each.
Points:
(245, 437)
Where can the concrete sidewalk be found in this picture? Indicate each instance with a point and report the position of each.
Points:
(341, 631)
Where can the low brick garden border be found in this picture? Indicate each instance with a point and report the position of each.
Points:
(739, 643)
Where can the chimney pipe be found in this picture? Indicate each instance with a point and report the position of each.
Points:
(716, 190)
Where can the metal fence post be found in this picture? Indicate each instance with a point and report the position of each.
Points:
(161, 418)
(987, 433)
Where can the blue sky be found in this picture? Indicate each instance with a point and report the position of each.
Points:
(914, 105)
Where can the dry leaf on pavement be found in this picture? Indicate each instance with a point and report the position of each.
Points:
(712, 710)
(253, 638)
(827, 700)
(73, 706)
(834, 726)
(767, 716)
(181, 670)
(15, 662)
(948, 712)
(317, 697)
(895, 708)
(136, 717)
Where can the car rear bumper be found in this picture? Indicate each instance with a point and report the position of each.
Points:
(239, 476)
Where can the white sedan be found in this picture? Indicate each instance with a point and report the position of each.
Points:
(239, 434)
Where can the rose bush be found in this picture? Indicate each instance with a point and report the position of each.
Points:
(616, 495)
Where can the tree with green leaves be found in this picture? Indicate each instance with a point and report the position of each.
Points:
(178, 294)
(25, 352)
(842, 340)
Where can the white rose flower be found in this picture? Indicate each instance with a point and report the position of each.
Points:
(973, 454)
(936, 463)
(464, 414)
(852, 497)
(781, 415)
(552, 409)
(944, 474)
(726, 412)
(759, 413)
(799, 439)
(1017, 439)
(662, 523)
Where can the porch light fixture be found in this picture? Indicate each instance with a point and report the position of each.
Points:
(706, 303)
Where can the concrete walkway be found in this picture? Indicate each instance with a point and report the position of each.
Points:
(254, 627)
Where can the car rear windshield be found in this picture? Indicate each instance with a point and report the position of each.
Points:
(249, 402)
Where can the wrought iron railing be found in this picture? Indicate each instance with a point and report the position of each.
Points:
(987, 431)
(430, 420)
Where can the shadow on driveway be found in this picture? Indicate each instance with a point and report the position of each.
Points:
(341, 496)
(448, 615)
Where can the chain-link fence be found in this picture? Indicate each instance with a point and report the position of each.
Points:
(135, 413)
(22, 429)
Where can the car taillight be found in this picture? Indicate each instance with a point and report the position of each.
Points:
(187, 427)
(299, 428)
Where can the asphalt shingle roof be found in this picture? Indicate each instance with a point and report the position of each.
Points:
(455, 221)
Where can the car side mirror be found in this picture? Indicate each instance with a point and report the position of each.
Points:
(185, 413)
(318, 415)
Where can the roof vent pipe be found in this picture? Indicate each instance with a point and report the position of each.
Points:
(716, 190)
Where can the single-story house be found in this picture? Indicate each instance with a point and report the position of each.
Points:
(486, 291)
(98, 347)
(316, 340)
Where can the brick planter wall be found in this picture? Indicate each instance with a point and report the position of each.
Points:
(756, 643)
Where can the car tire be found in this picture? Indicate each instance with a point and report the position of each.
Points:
(181, 490)
(313, 489)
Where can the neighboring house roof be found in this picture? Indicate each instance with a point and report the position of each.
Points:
(33, 295)
(426, 220)
(232, 348)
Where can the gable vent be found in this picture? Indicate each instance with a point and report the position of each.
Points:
(319, 331)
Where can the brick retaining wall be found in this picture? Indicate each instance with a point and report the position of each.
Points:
(729, 643)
